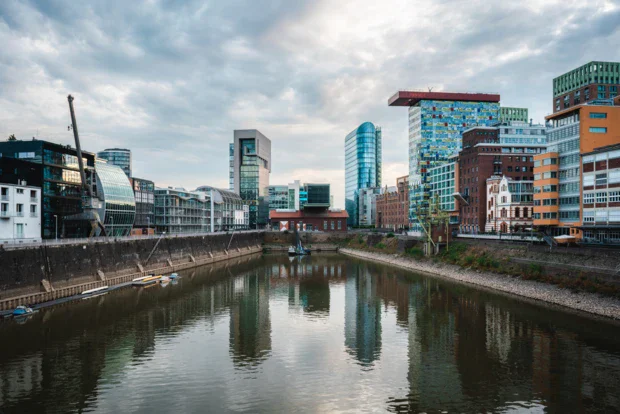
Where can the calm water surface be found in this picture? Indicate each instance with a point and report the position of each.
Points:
(320, 334)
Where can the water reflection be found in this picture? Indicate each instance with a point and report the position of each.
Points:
(324, 333)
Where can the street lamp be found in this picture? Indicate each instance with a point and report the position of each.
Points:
(112, 225)
(56, 217)
(148, 225)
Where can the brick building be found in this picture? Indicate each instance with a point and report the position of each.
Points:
(489, 151)
(393, 206)
(309, 220)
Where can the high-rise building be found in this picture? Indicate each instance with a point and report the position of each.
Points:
(252, 165)
(117, 156)
(592, 81)
(508, 114)
(436, 122)
(558, 183)
(362, 148)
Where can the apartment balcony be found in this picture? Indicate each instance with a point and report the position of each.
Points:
(5, 214)
(4, 197)
(33, 214)
(19, 214)
(34, 200)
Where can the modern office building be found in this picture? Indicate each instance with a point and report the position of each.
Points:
(592, 81)
(436, 123)
(443, 184)
(20, 213)
(362, 148)
(180, 211)
(118, 206)
(393, 206)
(600, 186)
(557, 174)
(144, 193)
(367, 206)
(117, 156)
(295, 196)
(252, 165)
(509, 205)
(505, 150)
(318, 196)
(278, 197)
(54, 168)
(228, 211)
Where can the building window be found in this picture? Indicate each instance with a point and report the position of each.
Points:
(601, 197)
(325, 225)
(598, 130)
(588, 198)
(339, 225)
(601, 179)
(20, 191)
(598, 115)
(333, 228)
(614, 196)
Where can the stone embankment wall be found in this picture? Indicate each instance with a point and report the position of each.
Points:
(538, 291)
(47, 269)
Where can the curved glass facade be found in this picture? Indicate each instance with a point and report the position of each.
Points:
(362, 149)
(229, 212)
(119, 204)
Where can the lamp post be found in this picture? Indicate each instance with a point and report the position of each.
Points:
(56, 218)
(112, 225)
(148, 225)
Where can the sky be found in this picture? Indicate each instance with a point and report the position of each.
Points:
(172, 79)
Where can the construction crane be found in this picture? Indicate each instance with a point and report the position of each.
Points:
(89, 210)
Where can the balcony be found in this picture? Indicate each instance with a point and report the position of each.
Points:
(5, 214)
(33, 214)
(19, 214)
(4, 197)
(34, 200)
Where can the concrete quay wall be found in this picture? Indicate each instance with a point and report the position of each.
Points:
(34, 275)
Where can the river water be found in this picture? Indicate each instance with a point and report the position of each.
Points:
(325, 333)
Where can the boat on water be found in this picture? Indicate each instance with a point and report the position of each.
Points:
(146, 280)
(174, 276)
(22, 310)
(298, 249)
(95, 291)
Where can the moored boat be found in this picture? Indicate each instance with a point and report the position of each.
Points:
(95, 291)
(145, 281)
(22, 310)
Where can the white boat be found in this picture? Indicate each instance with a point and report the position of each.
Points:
(96, 290)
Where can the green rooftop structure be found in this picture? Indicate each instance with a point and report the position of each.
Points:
(508, 114)
(592, 81)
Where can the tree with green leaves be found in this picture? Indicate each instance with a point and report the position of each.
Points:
(12, 137)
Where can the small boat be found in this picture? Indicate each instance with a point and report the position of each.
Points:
(22, 310)
(164, 279)
(145, 281)
(95, 291)
(174, 276)
(298, 249)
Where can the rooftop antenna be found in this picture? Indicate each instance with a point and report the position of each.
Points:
(430, 88)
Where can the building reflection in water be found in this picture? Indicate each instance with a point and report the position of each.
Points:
(250, 325)
(362, 323)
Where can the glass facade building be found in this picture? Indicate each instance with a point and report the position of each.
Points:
(144, 193)
(362, 148)
(228, 211)
(318, 195)
(118, 207)
(507, 114)
(252, 165)
(56, 169)
(442, 185)
(117, 156)
(180, 211)
(435, 133)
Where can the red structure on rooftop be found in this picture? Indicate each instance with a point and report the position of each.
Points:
(410, 98)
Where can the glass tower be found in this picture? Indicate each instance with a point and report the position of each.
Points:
(362, 149)
(252, 165)
(117, 156)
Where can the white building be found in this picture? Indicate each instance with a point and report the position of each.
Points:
(367, 205)
(510, 204)
(20, 214)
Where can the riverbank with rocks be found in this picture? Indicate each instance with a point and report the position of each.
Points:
(538, 291)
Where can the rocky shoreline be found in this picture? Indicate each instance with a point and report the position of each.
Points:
(538, 291)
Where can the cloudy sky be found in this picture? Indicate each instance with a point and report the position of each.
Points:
(172, 79)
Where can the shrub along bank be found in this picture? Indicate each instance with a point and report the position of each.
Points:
(508, 260)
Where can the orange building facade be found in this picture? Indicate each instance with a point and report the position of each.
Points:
(558, 188)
